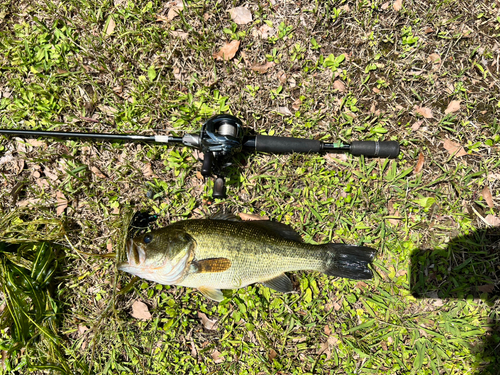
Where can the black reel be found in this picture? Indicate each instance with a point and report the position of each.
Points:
(221, 137)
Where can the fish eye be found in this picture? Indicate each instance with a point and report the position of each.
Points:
(148, 238)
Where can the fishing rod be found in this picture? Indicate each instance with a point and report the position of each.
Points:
(221, 137)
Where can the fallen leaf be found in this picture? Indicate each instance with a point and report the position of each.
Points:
(428, 30)
(110, 26)
(339, 85)
(296, 104)
(207, 323)
(240, 15)
(492, 220)
(263, 32)
(97, 172)
(454, 106)
(147, 171)
(140, 311)
(161, 18)
(109, 246)
(361, 285)
(282, 77)
(263, 68)
(487, 288)
(417, 125)
(397, 5)
(434, 58)
(272, 354)
(252, 217)
(228, 51)
(216, 356)
(35, 142)
(284, 111)
(327, 330)
(376, 90)
(110, 111)
(486, 193)
(420, 163)
(384, 6)
(179, 34)
(426, 112)
(62, 203)
(383, 345)
(454, 148)
(174, 10)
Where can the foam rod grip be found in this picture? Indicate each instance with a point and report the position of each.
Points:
(286, 145)
(389, 149)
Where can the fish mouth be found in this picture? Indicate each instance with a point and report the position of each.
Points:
(135, 255)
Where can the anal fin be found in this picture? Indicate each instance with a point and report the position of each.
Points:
(280, 283)
(212, 293)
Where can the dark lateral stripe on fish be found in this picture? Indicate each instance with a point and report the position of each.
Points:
(212, 265)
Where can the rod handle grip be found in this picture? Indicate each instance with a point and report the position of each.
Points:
(286, 145)
(385, 149)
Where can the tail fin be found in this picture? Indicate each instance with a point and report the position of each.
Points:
(349, 261)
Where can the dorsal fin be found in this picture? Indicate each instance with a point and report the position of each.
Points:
(279, 229)
(224, 216)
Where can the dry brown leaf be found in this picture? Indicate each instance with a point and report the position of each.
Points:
(282, 77)
(454, 148)
(207, 323)
(161, 18)
(174, 10)
(141, 311)
(285, 111)
(179, 34)
(492, 220)
(417, 125)
(420, 163)
(110, 26)
(296, 104)
(397, 5)
(376, 90)
(434, 58)
(454, 106)
(240, 15)
(424, 111)
(339, 85)
(35, 142)
(327, 330)
(486, 193)
(252, 217)
(487, 288)
(216, 356)
(109, 246)
(263, 32)
(62, 203)
(384, 6)
(272, 354)
(147, 171)
(263, 68)
(110, 111)
(228, 51)
(97, 172)
(428, 30)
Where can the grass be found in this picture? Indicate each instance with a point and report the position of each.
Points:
(432, 307)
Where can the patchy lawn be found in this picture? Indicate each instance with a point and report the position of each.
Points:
(425, 74)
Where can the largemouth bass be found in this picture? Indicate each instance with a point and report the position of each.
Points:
(226, 253)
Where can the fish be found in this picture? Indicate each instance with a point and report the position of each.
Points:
(224, 252)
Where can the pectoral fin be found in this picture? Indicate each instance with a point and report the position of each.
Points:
(214, 294)
(210, 265)
(281, 284)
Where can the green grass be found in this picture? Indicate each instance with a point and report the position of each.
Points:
(422, 313)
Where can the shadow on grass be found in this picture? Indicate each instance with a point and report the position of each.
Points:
(469, 268)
